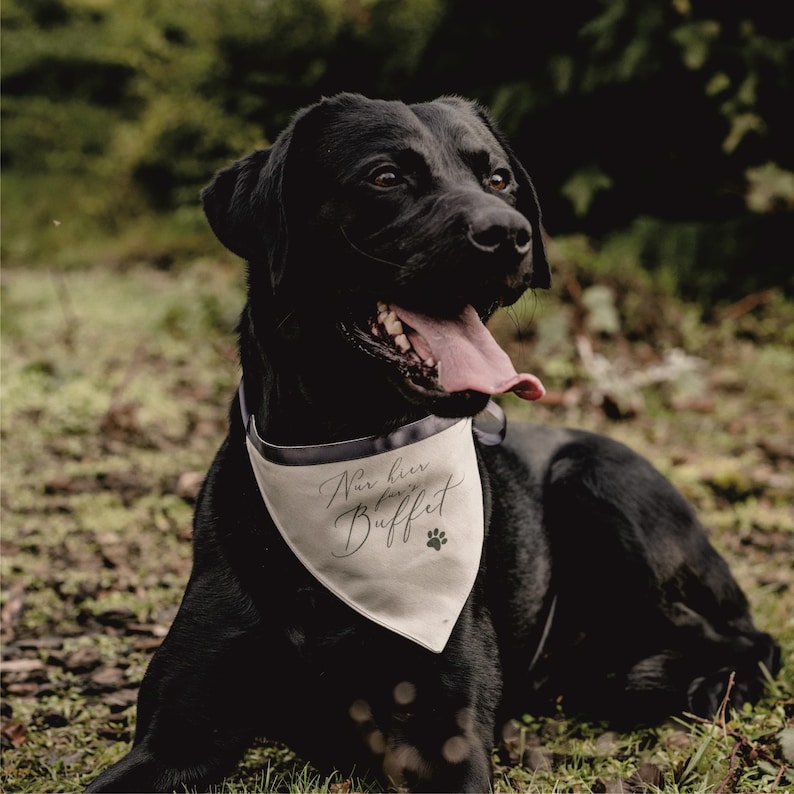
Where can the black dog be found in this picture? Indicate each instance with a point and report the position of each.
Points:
(359, 590)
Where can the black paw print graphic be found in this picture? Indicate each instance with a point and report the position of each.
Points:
(436, 539)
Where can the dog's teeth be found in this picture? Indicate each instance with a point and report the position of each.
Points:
(394, 328)
(392, 325)
(429, 362)
(401, 340)
(383, 311)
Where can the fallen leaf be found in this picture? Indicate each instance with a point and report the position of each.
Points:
(617, 786)
(21, 665)
(83, 660)
(189, 484)
(647, 774)
(13, 734)
(607, 743)
(538, 759)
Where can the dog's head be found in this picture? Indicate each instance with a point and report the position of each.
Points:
(397, 229)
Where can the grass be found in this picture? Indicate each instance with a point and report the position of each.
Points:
(115, 387)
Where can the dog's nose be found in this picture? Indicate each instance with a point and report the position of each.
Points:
(500, 231)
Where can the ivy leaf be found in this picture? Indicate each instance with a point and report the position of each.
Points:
(582, 186)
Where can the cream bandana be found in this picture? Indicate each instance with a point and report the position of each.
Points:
(392, 525)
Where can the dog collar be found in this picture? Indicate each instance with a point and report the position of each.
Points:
(396, 534)
(490, 427)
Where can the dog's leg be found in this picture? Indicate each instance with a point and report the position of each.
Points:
(198, 699)
(649, 621)
(439, 733)
(439, 750)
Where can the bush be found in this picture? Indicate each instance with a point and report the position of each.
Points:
(663, 123)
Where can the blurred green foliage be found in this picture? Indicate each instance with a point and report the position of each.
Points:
(663, 124)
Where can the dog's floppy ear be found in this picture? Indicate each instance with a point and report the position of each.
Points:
(527, 205)
(244, 209)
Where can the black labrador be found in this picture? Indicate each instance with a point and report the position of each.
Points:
(380, 237)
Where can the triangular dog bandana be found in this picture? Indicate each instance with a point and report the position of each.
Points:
(392, 525)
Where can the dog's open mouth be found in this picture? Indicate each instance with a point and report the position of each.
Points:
(444, 355)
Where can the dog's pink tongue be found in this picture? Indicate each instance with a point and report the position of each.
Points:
(470, 357)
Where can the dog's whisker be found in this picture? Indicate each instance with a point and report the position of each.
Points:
(364, 253)
(529, 304)
(513, 315)
(284, 319)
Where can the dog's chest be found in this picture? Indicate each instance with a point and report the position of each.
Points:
(396, 535)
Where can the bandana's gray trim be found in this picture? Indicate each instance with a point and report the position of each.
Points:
(349, 450)
(498, 423)
(363, 447)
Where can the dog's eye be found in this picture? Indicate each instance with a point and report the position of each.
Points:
(386, 177)
(499, 180)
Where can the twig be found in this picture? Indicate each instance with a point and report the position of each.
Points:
(741, 742)
(131, 372)
(71, 320)
(731, 760)
(724, 705)
(748, 303)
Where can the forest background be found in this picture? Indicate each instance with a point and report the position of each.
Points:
(658, 134)
(665, 123)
